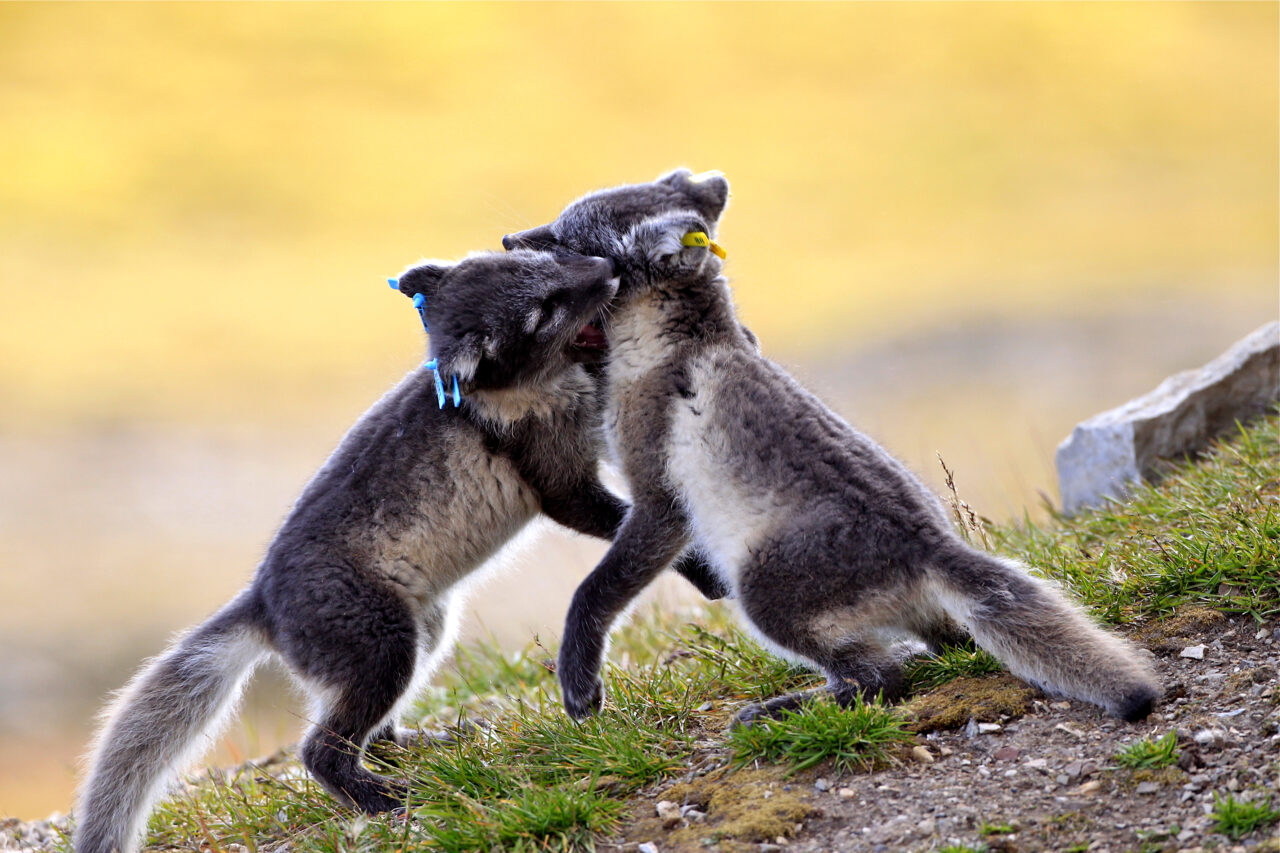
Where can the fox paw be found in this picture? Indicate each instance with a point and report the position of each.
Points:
(582, 702)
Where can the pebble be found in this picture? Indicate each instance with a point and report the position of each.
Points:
(989, 728)
(1089, 787)
(647, 847)
(1071, 730)
(669, 812)
(927, 826)
(705, 706)
(1006, 753)
(846, 793)
(1038, 764)
(1193, 652)
(922, 754)
(822, 785)
(1147, 787)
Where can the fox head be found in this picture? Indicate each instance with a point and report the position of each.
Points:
(644, 228)
(499, 321)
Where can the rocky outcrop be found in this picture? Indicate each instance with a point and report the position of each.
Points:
(1110, 451)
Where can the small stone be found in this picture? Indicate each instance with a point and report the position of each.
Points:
(971, 728)
(769, 848)
(989, 728)
(927, 827)
(922, 755)
(1090, 787)
(846, 793)
(1261, 635)
(705, 706)
(822, 785)
(669, 812)
(1005, 753)
(1071, 730)
(690, 813)
(1193, 652)
(647, 847)
(1040, 764)
(1060, 706)
(1147, 787)
(1062, 779)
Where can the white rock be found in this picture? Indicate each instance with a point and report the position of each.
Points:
(1104, 455)
(989, 728)
(668, 810)
(647, 847)
(1193, 652)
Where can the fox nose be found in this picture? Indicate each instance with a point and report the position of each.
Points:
(509, 242)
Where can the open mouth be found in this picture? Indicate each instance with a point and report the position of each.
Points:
(590, 344)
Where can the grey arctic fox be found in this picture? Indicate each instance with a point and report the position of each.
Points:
(833, 549)
(356, 592)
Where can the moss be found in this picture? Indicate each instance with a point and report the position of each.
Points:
(1171, 635)
(954, 703)
(1165, 777)
(750, 806)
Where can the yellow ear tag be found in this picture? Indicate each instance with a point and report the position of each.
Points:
(699, 238)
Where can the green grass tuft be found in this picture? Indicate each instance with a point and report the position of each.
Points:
(855, 738)
(951, 663)
(1149, 753)
(1237, 818)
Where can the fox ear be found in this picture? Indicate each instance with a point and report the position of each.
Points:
(708, 190)
(423, 278)
(541, 238)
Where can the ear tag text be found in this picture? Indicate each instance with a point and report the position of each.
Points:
(701, 240)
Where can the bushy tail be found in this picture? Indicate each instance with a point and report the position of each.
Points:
(1042, 637)
(155, 725)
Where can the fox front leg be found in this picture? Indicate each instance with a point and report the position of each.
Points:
(649, 539)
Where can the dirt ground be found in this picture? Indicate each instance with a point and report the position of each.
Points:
(1047, 780)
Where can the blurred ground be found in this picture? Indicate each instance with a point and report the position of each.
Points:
(967, 226)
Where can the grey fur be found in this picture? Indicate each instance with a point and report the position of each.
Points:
(356, 592)
(833, 548)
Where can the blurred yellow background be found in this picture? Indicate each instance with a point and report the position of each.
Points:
(968, 225)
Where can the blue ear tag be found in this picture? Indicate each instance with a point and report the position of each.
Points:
(394, 282)
(419, 300)
(457, 395)
(439, 388)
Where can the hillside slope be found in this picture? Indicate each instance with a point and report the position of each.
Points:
(974, 760)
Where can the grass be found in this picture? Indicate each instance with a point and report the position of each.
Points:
(532, 779)
(951, 663)
(1237, 818)
(854, 739)
(1147, 753)
(1209, 535)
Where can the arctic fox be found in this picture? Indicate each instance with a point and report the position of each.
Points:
(833, 548)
